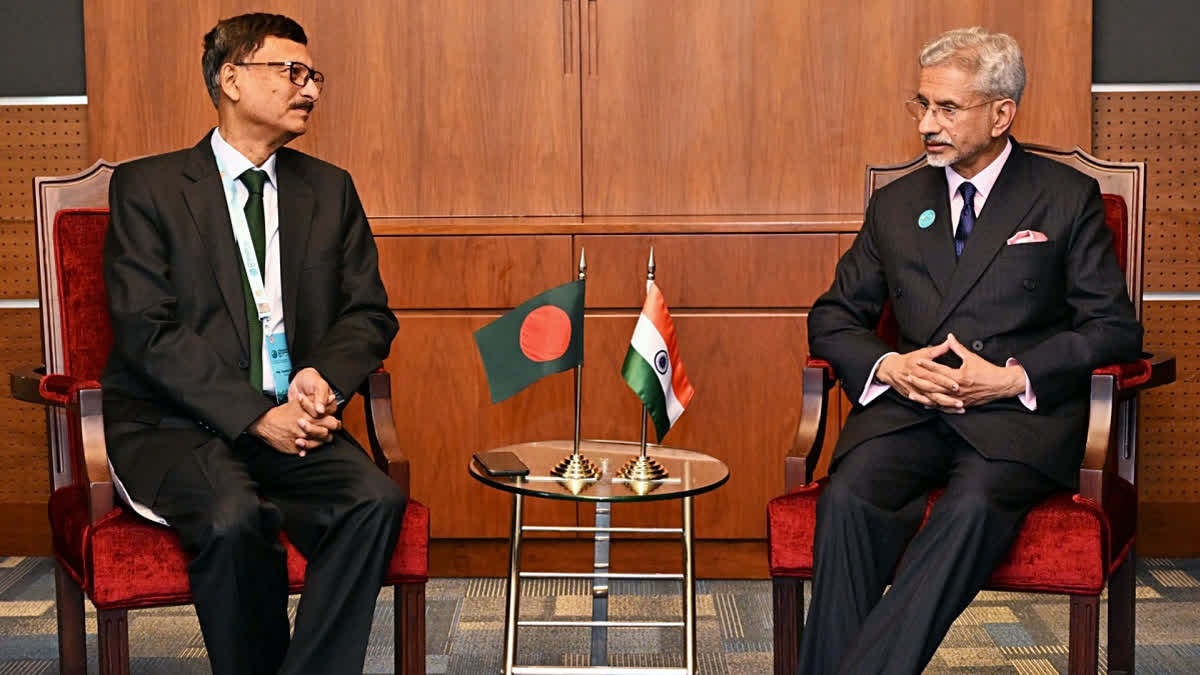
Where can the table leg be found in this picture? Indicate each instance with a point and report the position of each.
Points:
(689, 589)
(513, 608)
(600, 584)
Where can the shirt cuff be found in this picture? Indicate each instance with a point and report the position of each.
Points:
(1027, 399)
(874, 389)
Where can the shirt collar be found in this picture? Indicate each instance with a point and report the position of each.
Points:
(236, 163)
(983, 181)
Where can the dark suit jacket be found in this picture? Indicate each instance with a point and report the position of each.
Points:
(174, 281)
(1059, 307)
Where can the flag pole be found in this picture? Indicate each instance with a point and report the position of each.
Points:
(576, 467)
(642, 469)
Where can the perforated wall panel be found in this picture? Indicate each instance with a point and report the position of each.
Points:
(35, 140)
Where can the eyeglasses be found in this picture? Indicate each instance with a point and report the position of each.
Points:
(298, 73)
(942, 113)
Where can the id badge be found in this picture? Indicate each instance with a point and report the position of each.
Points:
(281, 364)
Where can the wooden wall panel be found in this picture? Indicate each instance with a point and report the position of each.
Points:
(775, 106)
(746, 368)
(710, 271)
(444, 415)
(472, 272)
(35, 140)
(24, 469)
(1160, 128)
(458, 107)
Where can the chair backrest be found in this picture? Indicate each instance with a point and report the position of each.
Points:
(71, 216)
(1122, 184)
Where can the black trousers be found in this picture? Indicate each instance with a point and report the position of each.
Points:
(229, 504)
(866, 517)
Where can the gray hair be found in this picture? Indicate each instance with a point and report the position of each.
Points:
(994, 59)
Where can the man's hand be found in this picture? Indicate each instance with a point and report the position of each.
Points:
(313, 393)
(306, 421)
(910, 375)
(289, 429)
(977, 380)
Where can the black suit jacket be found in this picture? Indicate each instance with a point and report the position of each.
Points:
(174, 282)
(1059, 307)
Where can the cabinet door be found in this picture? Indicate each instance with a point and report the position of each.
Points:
(776, 106)
(454, 107)
(446, 108)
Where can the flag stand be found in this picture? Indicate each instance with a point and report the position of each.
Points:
(642, 469)
(576, 467)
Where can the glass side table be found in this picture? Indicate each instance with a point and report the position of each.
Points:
(689, 474)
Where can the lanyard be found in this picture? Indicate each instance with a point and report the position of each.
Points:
(281, 365)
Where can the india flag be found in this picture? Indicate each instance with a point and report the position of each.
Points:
(653, 368)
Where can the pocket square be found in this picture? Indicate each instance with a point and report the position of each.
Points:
(1026, 237)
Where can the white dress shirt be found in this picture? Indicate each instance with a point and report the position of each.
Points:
(983, 181)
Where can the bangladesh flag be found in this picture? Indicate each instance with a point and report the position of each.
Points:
(653, 369)
(542, 336)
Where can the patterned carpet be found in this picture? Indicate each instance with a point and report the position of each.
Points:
(999, 632)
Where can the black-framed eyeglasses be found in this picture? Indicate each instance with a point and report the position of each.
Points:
(917, 108)
(298, 73)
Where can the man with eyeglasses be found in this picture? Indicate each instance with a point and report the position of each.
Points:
(246, 304)
(1000, 270)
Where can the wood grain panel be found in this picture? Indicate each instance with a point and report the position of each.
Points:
(1168, 426)
(1159, 128)
(473, 271)
(710, 271)
(775, 106)
(444, 415)
(746, 369)
(457, 107)
(35, 141)
(24, 471)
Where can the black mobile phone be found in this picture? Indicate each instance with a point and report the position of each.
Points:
(501, 463)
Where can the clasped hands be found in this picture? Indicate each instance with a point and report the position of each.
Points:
(306, 421)
(917, 377)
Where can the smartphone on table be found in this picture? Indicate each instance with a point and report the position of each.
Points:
(501, 463)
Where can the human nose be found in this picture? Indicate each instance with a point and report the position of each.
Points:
(928, 123)
(310, 90)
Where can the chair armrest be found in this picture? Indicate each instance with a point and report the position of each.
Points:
(82, 401)
(381, 428)
(24, 382)
(801, 460)
(89, 404)
(1148, 371)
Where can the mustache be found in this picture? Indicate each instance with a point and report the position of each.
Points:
(934, 139)
(306, 106)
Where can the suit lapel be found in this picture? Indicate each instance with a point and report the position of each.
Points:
(296, 200)
(936, 241)
(1011, 199)
(205, 198)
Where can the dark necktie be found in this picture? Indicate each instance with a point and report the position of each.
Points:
(966, 221)
(254, 180)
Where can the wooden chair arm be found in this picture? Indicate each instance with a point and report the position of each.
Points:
(85, 415)
(381, 428)
(89, 407)
(24, 383)
(801, 460)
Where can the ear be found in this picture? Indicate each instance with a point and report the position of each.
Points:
(1004, 112)
(228, 77)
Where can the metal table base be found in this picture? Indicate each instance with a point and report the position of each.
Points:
(600, 576)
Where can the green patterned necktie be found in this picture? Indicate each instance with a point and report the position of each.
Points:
(254, 181)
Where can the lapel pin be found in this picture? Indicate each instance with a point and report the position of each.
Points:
(926, 219)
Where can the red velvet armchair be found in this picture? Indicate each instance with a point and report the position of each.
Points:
(1073, 544)
(103, 550)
